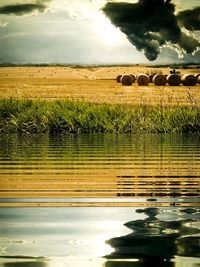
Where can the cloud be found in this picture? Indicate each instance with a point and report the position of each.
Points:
(3, 23)
(24, 8)
(190, 19)
(152, 24)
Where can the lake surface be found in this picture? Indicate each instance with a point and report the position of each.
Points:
(99, 200)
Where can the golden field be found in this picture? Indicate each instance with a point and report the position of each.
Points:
(94, 84)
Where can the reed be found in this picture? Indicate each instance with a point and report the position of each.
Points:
(38, 116)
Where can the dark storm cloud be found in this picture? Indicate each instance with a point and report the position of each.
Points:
(190, 19)
(152, 3)
(152, 24)
(21, 9)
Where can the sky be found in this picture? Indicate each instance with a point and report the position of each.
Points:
(96, 32)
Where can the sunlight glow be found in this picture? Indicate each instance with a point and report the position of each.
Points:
(102, 249)
(107, 32)
(111, 229)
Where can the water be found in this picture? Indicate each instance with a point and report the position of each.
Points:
(99, 236)
(99, 200)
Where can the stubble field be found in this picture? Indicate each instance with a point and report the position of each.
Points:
(95, 84)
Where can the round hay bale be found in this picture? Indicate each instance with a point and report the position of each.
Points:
(127, 79)
(134, 78)
(174, 79)
(151, 77)
(118, 78)
(143, 79)
(197, 75)
(188, 80)
(159, 79)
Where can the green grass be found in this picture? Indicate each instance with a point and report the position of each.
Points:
(37, 116)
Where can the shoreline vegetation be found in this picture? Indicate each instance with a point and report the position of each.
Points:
(25, 116)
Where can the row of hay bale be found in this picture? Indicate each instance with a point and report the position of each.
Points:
(159, 79)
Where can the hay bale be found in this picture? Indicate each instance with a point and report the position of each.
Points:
(143, 79)
(188, 80)
(134, 77)
(174, 79)
(151, 77)
(127, 79)
(197, 75)
(159, 79)
(198, 80)
(118, 78)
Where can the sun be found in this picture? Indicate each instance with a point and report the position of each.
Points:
(107, 32)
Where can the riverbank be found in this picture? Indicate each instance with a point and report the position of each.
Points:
(55, 99)
(65, 116)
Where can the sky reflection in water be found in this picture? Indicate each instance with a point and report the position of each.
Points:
(48, 237)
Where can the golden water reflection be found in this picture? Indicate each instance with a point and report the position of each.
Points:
(53, 170)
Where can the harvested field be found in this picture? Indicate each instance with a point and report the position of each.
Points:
(91, 84)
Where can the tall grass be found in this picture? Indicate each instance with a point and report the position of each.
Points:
(37, 116)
